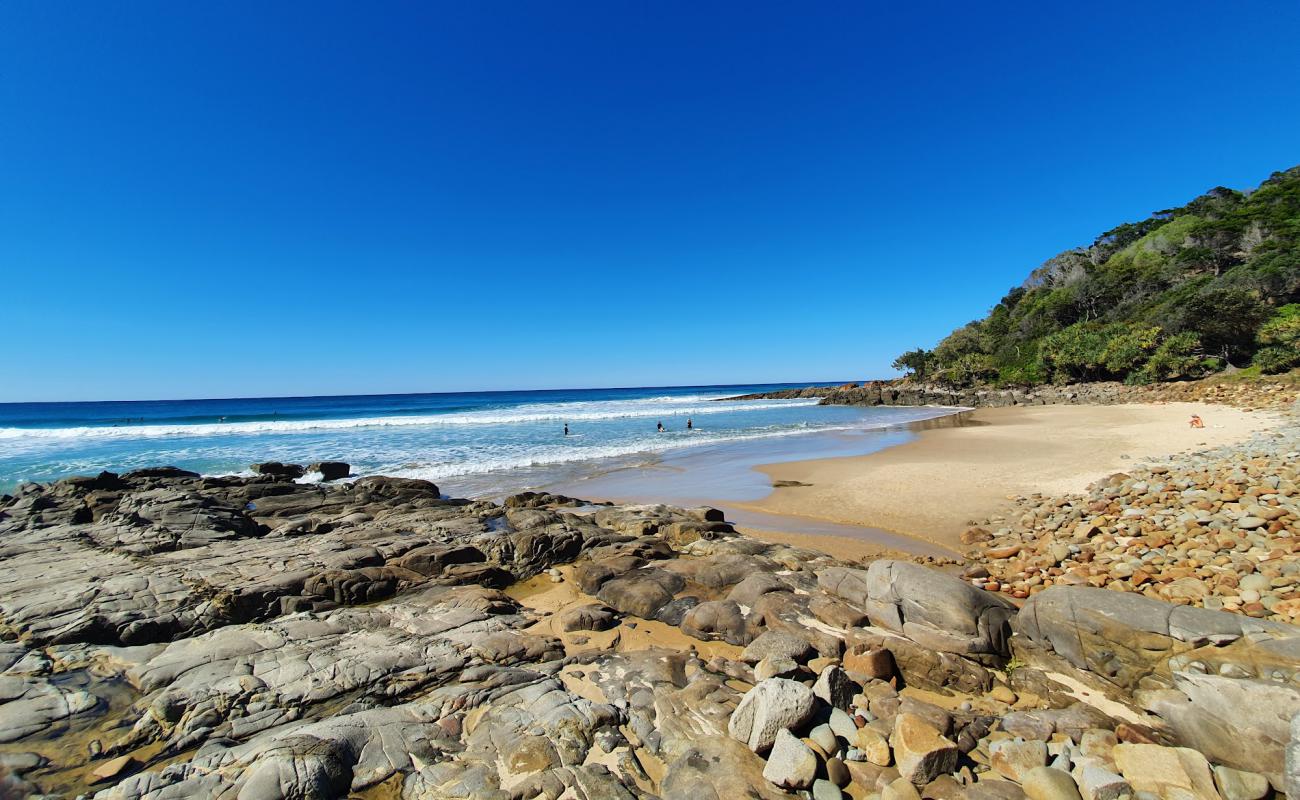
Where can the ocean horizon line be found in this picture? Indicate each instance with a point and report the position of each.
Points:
(744, 384)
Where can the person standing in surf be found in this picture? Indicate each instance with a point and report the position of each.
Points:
(566, 429)
(659, 428)
(689, 425)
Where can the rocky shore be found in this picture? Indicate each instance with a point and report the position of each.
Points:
(168, 635)
(1217, 529)
(1266, 394)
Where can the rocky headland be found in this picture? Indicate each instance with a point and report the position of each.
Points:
(168, 635)
(1280, 393)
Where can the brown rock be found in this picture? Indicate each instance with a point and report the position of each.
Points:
(875, 663)
(923, 754)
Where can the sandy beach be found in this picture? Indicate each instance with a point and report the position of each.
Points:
(933, 486)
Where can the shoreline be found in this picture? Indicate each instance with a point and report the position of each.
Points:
(951, 476)
(729, 477)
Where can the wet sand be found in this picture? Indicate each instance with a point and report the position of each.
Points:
(933, 486)
(727, 476)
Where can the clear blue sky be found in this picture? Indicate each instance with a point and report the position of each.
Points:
(228, 199)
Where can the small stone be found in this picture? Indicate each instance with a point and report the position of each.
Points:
(825, 739)
(1002, 694)
(873, 746)
(113, 768)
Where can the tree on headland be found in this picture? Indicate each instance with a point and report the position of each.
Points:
(1227, 321)
(1179, 295)
(914, 362)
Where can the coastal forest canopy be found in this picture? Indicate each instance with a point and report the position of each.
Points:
(1184, 293)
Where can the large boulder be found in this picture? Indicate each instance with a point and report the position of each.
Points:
(717, 619)
(641, 593)
(773, 705)
(587, 617)
(938, 611)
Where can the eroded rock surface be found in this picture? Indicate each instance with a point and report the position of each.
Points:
(167, 635)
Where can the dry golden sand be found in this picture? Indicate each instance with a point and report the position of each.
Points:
(933, 486)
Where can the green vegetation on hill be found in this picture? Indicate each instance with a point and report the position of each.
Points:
(1185, 293)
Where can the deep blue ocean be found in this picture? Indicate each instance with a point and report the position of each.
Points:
(472, 443)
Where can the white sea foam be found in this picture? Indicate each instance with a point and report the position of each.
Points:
(555, 455)
(695, 405)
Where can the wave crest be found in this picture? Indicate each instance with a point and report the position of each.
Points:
(551, 412)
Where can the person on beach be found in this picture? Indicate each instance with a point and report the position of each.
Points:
(1195, 421)
(659, 428)
(566, 429)
(689, 424)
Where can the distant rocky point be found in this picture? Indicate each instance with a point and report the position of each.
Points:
(906, 392)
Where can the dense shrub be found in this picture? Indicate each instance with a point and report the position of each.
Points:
(1279, 338)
